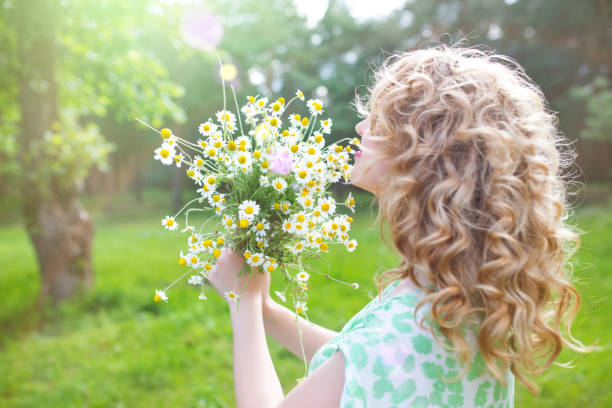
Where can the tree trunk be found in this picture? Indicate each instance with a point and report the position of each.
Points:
(62, 235)
(59, 228)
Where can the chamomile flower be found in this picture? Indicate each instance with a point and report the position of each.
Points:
(270, 265)
(280, 295)
(248, 209)
(279, 184)
(169, 223)
(300, 307)
(351, 245)
(288, 226)
(226, 117)
(264, 181)
(207, 268)
(243, 160)
(195, 280)
(296, 120)
(188, 228)
(160, 295)
(165, 154)
(207, 128)
(277, 108)
(306, 201)
(350, 202)
(326, 205)
(178, 159)
(315, 106)
(216, 199)
(256, 259)
(193, 260)
(302, 276)
(260, 228)
(326, 125)
(299, 94)
(230, 295)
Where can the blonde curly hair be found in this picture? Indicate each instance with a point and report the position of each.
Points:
(476, 202)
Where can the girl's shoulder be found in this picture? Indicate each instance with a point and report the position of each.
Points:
(390, 360)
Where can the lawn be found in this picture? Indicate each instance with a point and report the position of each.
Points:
(116, 347)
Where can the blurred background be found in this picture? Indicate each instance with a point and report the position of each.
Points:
(81, 198)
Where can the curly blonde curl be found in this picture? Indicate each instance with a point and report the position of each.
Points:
(476, 201)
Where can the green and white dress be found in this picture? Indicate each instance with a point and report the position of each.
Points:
(390, 361)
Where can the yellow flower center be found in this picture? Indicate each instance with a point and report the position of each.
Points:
(157, 298)
(164, 153)
(325, 207)
(231, 145)
(166, 133)
(278, 185)
(169, 223)
(259, 226)
(302, 174)
(216, 253)
(182, 262)
(244, 223)
(304, 121)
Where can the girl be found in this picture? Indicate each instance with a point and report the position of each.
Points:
(465, 162)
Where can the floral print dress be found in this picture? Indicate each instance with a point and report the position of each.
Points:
(392, 362)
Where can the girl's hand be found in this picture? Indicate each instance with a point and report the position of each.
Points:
(225, 277)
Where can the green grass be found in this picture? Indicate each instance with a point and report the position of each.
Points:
(115, 347)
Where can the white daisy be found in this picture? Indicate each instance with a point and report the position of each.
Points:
(230, 295)
(226, 117)
(288, 226)
(160, 295)
(248, 209)
(326, 125)
(256, 259)
(207, 128)
(299, 94)
(195, 280)
(350, 202)
(302, 276)
(315, 106)
(279, 184)
(351, 245)
(269, 265)
(178, 159)
(165, 154)
(170, 223)
(264, 181)
(260, 228)
(326, 205)
(280, 295)
(193, 260)
(300, 307)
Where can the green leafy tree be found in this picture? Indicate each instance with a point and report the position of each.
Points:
(67, 63)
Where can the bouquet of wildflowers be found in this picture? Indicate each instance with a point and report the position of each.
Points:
(264, 172)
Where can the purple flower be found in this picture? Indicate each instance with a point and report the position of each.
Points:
(202, 30)
(280, 162)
